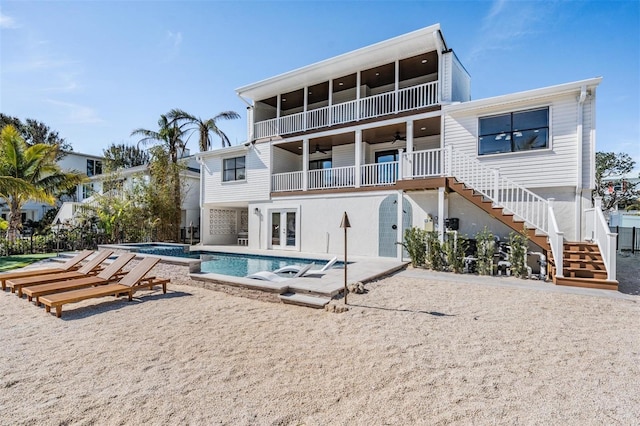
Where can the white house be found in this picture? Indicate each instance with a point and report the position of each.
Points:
(72, 161)
(190, 179)
(389, 135)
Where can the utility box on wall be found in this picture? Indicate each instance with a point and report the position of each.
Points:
(452, 223)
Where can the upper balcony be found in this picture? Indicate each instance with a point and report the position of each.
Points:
(403, 85)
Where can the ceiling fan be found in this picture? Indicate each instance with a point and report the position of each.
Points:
(397, 137)
(321, 150)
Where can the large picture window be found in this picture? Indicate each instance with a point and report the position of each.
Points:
(233, 169)
(514, 132)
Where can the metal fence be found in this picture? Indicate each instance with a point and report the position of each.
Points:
(628, 238)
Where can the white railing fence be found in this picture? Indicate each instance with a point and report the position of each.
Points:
(379, 174)
(335, 177)
(408, 99)
(420, 164)
(290, 181)
(556, 240)
(514, 198)
(598, 231)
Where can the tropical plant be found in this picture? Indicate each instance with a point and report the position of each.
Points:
(415, 242)
(34, 132)
(34, 174)
(434, 252)
(204, 127)
(485, 245)
(170, 137)
(612, 183)
(454, 249)
(121, 156)
(517, 256)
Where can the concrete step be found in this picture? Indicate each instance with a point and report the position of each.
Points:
(304, 300)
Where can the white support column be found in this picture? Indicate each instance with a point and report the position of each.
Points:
(304, 107)
(399, 237)
(409, 135)
(358, 159)
(278, 108)
(330, 112)
(443, 211)
(401, 165)
(305, 164)
(397, 85)
(358, 96)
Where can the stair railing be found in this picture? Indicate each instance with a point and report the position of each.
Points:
(598, 231)
(556, 240)
(504, 193)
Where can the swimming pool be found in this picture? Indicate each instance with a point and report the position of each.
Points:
(241, 265)
(234, 264)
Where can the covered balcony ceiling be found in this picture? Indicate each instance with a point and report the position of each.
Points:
(421, 128)
(382, 75)
(398, 48)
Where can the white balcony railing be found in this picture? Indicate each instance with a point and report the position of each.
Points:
(335, 177)
(379, 174)
(290, 181)
(407, 99)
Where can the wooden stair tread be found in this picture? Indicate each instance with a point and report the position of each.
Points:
(587, 282)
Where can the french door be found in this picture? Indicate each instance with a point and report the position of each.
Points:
(284, 229)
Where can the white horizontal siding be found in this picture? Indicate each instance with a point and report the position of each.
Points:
(447, 76)
(284, 161)
(343, 155)
(255, 187)
(545, 168)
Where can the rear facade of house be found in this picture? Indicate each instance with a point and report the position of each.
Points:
(389, 134)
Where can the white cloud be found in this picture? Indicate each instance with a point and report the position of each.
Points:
(507, 23)
(77, 114)
(7, 22)
(171, 45)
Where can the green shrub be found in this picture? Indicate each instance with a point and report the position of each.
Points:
(454, 248)
(434, 252)
(415, 244)
(485, 249)
(518, 243)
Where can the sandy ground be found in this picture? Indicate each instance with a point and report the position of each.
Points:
(410, 351)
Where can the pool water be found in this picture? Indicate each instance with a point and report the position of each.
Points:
(241, 265)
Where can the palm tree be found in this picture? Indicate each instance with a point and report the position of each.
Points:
(30, 173)
(169, 135)
(204, 127)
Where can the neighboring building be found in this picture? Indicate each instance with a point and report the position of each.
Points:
(388, 134)
(127, 178)
(72, 161)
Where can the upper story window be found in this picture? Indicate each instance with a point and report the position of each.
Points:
(94, 167)
(514, 132)
(233, 169)
(319, 164)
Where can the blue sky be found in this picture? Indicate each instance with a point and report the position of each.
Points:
(96, 70)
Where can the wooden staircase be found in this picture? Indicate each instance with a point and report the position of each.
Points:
(582, 266)
(497, 212)
(582, 262)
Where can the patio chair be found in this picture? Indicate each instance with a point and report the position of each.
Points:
(92, 267)
(290, 269)
(129, 284)
(69, 265)
(275, 278)
(110, 274)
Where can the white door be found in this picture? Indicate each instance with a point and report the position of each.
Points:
(284, 225)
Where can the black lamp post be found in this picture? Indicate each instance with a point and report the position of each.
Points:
(345, 224)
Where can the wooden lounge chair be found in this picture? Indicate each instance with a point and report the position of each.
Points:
(129, 284)
(110, 274)
(69, 265)
(92, 267)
